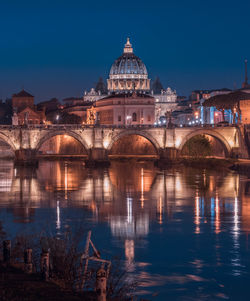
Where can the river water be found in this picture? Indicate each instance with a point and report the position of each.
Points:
(182, 232)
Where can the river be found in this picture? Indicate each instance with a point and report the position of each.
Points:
(182, 232)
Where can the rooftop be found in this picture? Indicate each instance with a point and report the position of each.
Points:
(23, 93)
(210, 91)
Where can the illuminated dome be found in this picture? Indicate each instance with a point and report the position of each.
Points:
(128, 63)
(128, 73)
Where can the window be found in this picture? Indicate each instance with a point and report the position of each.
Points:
(119, 118)
(134, 117)
(149, 118)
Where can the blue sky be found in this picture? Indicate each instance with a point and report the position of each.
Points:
(60, 48)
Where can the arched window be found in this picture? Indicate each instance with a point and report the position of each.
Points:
(134, 117)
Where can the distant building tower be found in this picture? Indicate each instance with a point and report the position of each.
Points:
(245, 85)
(22, 100)
(92, 95)
(165, 101)
(101, 87)
(157, 86)
(25, 112)
(128, 73)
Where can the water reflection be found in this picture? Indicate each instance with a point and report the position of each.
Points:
(138, 202)
(58, 218)
(197, 213)
(128, 195)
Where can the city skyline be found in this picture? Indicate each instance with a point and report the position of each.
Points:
(60, 50)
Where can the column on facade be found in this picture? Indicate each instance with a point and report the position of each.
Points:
(125, 115)
(110, 84)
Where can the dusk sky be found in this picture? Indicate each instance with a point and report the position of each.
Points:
(60, 48)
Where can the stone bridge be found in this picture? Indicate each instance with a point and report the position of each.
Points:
(98, 140)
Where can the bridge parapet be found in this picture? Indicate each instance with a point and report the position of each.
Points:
(167, 142)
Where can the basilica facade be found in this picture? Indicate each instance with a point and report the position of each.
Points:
(129, 101)
(128, 98)
(126, 109)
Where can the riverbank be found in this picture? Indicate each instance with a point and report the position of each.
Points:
(52, 269)
(240, 165)
(207, 163)
(15, 285)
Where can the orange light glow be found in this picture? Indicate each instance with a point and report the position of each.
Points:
(142, 189)
(217, 215)
(197, 213)
(160, 209)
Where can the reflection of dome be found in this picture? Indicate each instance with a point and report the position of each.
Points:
(121, 226)
(128, 72)
(138, 177)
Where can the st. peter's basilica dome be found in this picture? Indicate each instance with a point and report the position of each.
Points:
(128, 73)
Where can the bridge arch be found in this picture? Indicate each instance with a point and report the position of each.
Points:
(52, 134)
(8, 141)
(213, 133)
(140, 133)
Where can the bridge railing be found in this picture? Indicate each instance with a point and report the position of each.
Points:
(81, 126)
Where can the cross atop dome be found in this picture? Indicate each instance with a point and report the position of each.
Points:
(128, 47)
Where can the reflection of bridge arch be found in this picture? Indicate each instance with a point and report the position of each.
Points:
(8, 141)
(141, 133)
(72, 134)
(226, 146)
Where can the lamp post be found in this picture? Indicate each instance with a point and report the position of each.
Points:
(128, 118)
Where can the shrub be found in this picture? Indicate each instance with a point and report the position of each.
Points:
(198, 146)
